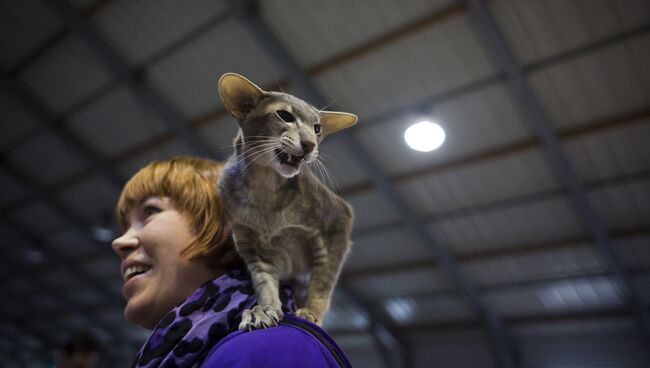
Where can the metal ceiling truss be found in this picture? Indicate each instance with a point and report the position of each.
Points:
(541, 126)
(247, 13)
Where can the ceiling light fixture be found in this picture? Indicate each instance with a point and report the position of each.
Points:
(424, 136)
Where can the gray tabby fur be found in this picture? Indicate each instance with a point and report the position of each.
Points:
(285, 222)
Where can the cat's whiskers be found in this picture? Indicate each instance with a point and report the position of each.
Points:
(261, 153)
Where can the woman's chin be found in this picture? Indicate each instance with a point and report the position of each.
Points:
(139, 314)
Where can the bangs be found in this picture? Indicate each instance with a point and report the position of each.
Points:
(190, 183)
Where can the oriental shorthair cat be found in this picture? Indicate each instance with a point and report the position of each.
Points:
(286, 224)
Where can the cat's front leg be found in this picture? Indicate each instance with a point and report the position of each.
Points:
(268, 311)
(327, 264)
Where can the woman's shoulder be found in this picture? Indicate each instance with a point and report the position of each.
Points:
(294, 343)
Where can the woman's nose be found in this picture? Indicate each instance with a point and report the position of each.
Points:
(125, 244)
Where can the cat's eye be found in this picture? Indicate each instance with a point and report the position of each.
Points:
(285, 116)
(317, 128)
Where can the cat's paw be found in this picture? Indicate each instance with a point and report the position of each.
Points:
(307, 314)
(260, 316)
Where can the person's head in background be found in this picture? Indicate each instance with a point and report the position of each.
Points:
(80, 352)
(175, 236)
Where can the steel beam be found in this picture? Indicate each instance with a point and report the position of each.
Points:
(541, 126)
(249, 17)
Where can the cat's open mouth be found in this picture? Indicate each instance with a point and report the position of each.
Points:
(288, 159)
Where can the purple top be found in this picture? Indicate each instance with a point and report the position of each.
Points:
(282, 346)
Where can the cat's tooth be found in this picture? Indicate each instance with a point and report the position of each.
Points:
(289, 158)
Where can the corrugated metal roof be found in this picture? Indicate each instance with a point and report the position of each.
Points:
(25, 25)
(428, 309)
(611, 153)
(16, 122)
(189, 79)
(403, 283)
(558, 297)
(11, 188)
(385, 247)
(533, 266)
(503, 178)
(535, 222)
(140, 28)
(91, 197)
(432, 61)
(474, 123)
(600, 85)
(162, 152)
(72, 243)
(105, 122)
(537, 29)
(623, 205)
(634, 251)
(315, 31)
(66, 74)
(372, 208)
(47, 158)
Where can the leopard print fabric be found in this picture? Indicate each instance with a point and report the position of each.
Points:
(185, 336)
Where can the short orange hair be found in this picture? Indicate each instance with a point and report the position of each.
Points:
(191, 184)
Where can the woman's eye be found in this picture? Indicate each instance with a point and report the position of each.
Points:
(317, 128)
(285, 116)
(150, 210)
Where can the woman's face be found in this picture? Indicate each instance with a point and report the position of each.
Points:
(156, 277)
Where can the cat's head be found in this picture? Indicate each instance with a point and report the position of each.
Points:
(278, 129)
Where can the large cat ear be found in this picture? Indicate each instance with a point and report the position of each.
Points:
(333, 121)
(239, 95)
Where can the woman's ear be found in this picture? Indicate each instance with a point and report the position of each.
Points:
(239, 95)
(333, 121)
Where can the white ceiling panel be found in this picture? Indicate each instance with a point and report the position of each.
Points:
(611, 153)
(538, 29)
(536, 222)
(47, 158)
(25, 26)
(189, 79)
(117, 122)
(502, 178)
(140, 28)
(607, 83)
(623, 205)
(477, 122)
(408, 71)
(66, 74)
(313, 32)
(372, 208)
(384, 248)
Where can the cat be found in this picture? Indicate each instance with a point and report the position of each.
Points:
(285, 222)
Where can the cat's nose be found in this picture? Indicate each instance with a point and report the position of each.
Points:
(307, 147)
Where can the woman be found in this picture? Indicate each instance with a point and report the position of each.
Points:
(184, 280)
